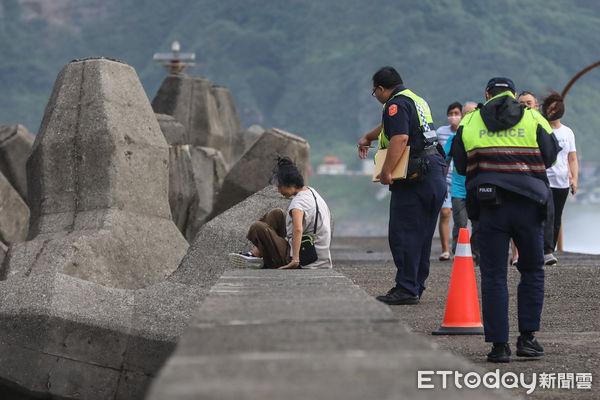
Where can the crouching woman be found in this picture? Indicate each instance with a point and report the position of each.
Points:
(278, 234)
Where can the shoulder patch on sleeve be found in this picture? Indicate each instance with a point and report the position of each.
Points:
(393, 110)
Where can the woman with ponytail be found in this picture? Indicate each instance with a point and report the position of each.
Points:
(562, 175)
(278, 234)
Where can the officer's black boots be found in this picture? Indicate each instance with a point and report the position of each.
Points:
(528, 346)
(398, 296)
(500, 353)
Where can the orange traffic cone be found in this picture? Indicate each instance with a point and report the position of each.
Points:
(462, 307)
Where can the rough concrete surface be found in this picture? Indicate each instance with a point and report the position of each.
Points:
(85, 310)
(252, 172)
(3, 250)
(14, 214)
(15, 145)
(570, 332)
(191, 101)
(245, 141)
(303, 334)
(195, 176)
(230, 120)
(67, 337)
(206, 258)
(173, 130)
(75, 339)
(98, 184)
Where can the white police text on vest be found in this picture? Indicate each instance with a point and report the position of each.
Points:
(509, 132)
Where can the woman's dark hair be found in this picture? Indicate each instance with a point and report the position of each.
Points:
(387, 77)
(454, 105)
(285, 173)
(559, 106)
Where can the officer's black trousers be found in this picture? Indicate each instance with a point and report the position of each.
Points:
(520, 219)
(414, 209)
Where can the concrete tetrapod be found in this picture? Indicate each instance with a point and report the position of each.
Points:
(191, 101)
(69, 338)
(14, 214)
(98, 184)
(85, 310)
(15, 145)
(195, 176)
(252, 172)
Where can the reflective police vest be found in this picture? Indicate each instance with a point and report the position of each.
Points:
(423, 112)
(514, 150)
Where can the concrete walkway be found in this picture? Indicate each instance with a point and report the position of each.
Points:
(305, 334)
(570, 331)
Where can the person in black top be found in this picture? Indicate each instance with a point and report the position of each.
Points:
(417, 200)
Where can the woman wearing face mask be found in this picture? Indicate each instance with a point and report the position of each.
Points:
(563, 175)
(454, 113)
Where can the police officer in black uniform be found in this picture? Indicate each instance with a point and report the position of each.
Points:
(417, 200)
(504, 149)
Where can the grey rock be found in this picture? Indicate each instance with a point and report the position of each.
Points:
(240, 141)
(15, 145)
(75, 339)
(195, 176)
(3, 250)
(206, 258)
(227, 110)
(173, 130)
(14, 214)
(98, 184)
(245, 141)
(252, 172)
(191, 101)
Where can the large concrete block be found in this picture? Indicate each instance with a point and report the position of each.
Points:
(227, 110)
(74, 339)
(173, 130)
(63, 335)
(195, 176)
(206, 258)
(15, 145)
(98, 184)
(244, 141)
(3, 250)
(191, 100)
(252, 172)
(14, 214)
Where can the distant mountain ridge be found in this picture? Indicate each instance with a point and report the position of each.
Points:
(305, 66)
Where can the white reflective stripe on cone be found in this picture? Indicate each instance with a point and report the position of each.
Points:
(463, 250)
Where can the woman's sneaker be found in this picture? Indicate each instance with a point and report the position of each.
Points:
(245, 260)
(549, 259)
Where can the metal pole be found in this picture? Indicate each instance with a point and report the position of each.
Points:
(559, 244)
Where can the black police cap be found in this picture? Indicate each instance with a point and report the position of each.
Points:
(501, 82)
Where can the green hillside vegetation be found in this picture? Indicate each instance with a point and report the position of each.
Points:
(305, 66)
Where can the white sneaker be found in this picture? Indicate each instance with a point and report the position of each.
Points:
(549, 259)
(245, 260)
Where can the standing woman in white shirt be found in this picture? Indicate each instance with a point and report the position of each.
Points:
(563, 175)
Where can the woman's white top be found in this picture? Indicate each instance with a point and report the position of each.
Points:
(305, 202)
(558, 175)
